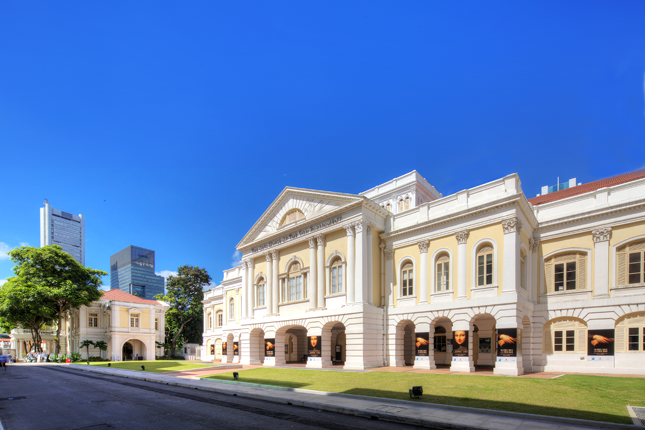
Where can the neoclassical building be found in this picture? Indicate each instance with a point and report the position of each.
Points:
(129, 325)
(401, 275)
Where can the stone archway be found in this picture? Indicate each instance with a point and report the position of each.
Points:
(133, 349)
(256, 346)
(484, 340)
(334, 344)
(404, 344)
(290, 344)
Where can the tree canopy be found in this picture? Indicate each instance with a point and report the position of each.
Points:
(184, 294)
(48, 284)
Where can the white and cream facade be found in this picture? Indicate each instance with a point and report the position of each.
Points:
(129, 325)
(366, 273)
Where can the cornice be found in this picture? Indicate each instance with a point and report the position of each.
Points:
(454, 217)
(595, 213)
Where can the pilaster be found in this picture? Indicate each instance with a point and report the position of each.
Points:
(423, 273)
(511, 276)
(350, 277)
(320, 259)
(269, 280)
(312, 277)
(462, 238)
(274, 282)
(601, 239)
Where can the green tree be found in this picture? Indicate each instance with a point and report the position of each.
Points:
(184, 294)
(24, 304)
(86, 344)
(65, 283)
(101, 345)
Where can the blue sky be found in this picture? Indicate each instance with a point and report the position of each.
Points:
(173, 125)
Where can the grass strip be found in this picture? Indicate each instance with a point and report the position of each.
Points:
(597, 398)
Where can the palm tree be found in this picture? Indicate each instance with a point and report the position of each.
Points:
(101, 345)
(86, 344)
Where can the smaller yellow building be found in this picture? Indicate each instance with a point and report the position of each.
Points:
(128, 324)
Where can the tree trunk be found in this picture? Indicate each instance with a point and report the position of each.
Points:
(174, 339)
(60, 322)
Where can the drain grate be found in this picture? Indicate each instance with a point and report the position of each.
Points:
(640, 414)
(12, 398)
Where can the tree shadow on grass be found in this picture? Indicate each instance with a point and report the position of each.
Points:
(496, 405)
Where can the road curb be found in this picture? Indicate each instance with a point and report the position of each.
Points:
(223, 388)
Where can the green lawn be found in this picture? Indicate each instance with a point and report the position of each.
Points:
(160, 366)
(598, 398)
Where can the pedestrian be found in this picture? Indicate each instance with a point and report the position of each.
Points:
(3, 362)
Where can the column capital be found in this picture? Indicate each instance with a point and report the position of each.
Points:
(423, 246)
(275, 253)
(363, 224)
(320, 239)
(512, 225)
(350, 229)
(534, 244)
(268, 256)
(602, 234)
(244, 264)
(312, 242)
(389, 253)
(462, 237)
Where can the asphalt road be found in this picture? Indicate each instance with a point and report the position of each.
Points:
(44, 398)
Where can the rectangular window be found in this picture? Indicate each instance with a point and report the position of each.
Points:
(134, 320)
(292, 289)
(261, 295)
(442, 277)
(565, 275)
(408, 283)
(93, 320)
(557, 341)
(636, 339)
(440, 342)
(635, 268)
(299, 288)
(485, 269)
(220, 319)
(571, 340)
(337, 279)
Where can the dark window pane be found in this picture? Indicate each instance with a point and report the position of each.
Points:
(559, 268)
(489, 258)
(635, 258)
(480, 280)
(489, 279)
(489, 268)
(571, 266)
(635, 278)
(571, 276)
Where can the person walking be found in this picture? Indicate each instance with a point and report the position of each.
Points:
(3, 361)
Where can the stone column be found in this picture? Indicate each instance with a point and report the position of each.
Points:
(512, 228)
(274, 282)
(425, 362)
(423, 273)
(246, 309)
(462, 238)
(601, 238)
(464, 364)
(249, 288)
(389, 277)
(369, 263)
(349, 276)
(313, 276)
(534, 246)
(320, 283)
(269, 288)
(359, 269)
(513, 366)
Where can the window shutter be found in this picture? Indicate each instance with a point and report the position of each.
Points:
(581, 341)
(620, 336)
(547, 346)
(548, 274)
(636, 247)
(485, 249)
(581, 281)
(621, 267)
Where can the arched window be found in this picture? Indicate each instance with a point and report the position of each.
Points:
(443, 273)
(407, 203)
(219, 318)
(231, 309)
(260, 292)
(565, 335)
(388, 206)
(440, 339)
(292, 216)
(401, 205)
(630, 261)
(407, 279)
(295, 282)
(630, 333)
(337, 276)
(485, 265)
(565, 272)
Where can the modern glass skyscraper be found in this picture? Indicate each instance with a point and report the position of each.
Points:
(133, 270)
(65, 229)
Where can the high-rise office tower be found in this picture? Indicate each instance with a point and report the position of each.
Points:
(65, 229)
(133, 270)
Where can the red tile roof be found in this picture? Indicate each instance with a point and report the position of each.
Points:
(591, 186)
(122, 296)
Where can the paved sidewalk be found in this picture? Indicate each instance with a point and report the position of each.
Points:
(427, 415)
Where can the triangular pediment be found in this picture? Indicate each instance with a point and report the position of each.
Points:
(313, 205)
